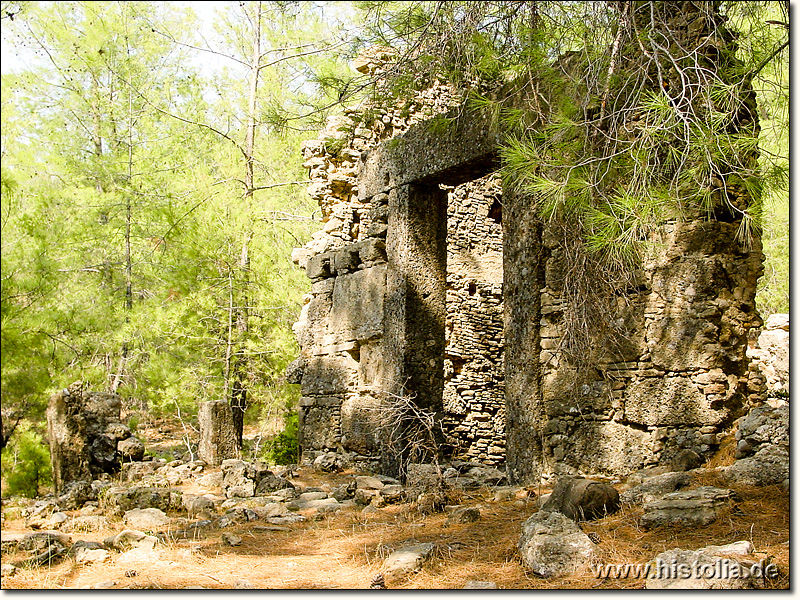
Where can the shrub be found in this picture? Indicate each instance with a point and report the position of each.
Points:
(283, 448)
(26, 463)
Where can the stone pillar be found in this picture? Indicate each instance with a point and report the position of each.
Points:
(66, 432)
(217, 435)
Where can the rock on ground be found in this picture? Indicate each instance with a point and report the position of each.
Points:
(582, 499)
(656, 487)
(552, 544)
(408, 559)
(678, 569)
(146, 519)
(690, 508)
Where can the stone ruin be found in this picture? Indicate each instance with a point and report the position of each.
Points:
(431, 282)
(86, 436)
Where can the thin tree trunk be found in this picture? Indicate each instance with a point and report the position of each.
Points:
(240, 364)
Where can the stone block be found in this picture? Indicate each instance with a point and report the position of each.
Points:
(217, 435)
(358, 298)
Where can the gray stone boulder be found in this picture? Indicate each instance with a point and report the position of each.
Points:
(146, 519)
(768, 466)
(136, 471)
(241, 479)
(130, 450)
(468, 514)
(480, 585)
(762, 426)
(656, 487)
(408, 559)
(552, 544)
(130, 539)
(331, 462)
(488, 476)
(703, 569)
(582, 499)
(692, 508)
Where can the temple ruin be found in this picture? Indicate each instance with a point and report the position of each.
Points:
(431, 282)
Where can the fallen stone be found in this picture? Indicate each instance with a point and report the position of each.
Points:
(697, 570)
(7, 570)
(487, 475)
(146, 519)
(693, 508)
(469, 514)
(308, 496)
(131, 449)
(480, 585)
(552, 544)
(86, 556)
(243, 584)
(231, 539)
(408, 559)
(656, 487)
(366, 482)
(768, 466)
(686, 460)
(129, 538)
(44, 540)
(582, 499)
(742, 548)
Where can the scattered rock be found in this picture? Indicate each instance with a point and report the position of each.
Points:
(742, 548)
(469, 514)
(130, 538)
(686, 460)
(231, 540)
(85, 556)
(241, 479)
(480, 585)
(131, 449)
(552, 545)
(656, 487)
(330, 462)
(762, 426)
(697, 570)
(44, 540)
(243, 584)
(487, 475)
(690, 508)
(768, 466)
(117, 501)
(582, 499)
(146, 519)
(408, 559)
(367, 482)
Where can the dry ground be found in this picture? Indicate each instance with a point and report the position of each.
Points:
(345, 550)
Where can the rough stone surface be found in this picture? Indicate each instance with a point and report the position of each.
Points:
(146, 519)
(769, 466)
(241, 479)
(762, 426)
(693, 508)
(459, 298)
(408, 559)
(582, 499)
(703, 571)
(656, 487)
(84, 432)
(217, 434)
(552, 545)
(117, 501)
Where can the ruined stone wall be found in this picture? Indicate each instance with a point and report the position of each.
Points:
(474, 388)
(342, 367)
(674, 378)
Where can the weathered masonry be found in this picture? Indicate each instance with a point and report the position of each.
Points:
(432, 284)
(418, 292)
